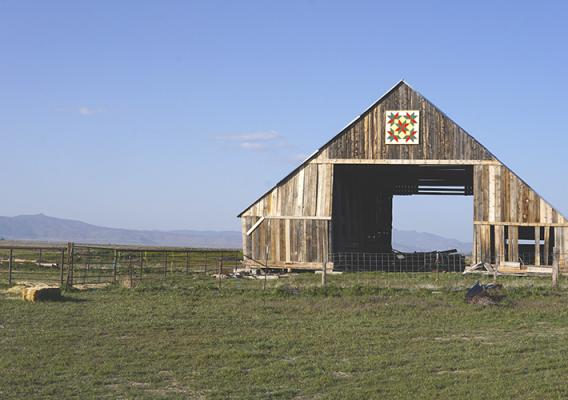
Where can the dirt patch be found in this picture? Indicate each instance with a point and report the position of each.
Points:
(341, 375)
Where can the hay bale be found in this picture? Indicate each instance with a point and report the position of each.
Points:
(41, 293)
(15, 290)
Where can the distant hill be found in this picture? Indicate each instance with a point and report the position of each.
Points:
(422, 241)
(44, 228)
(41, 227)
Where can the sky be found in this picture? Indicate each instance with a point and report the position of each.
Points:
(179, 114)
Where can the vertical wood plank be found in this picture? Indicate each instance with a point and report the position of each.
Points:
(288, 240)
(546, 249)
(299, 199)
(537, 245)
(492, 193)
(499, 245)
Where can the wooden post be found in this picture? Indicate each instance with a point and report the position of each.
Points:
(87, 265)
(265, 268)
(537, 246)
(114, 265)
(61, 267)
(187, 262)
(165, 263)
(220, 271)
(546, 245)
(10, 266)
(70, 251)
(205, 268)
(499, 246)
(141, 264)
(437, 262)
(555, 259)
(236, 261)
(131, 271)
(324, 275)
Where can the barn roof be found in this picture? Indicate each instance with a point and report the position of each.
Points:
(316, 153)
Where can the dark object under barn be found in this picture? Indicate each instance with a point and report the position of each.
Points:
(339, 201)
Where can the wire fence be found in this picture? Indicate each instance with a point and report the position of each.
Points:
(92, 264)
(398, 262)
(77, 264)
(396, 270)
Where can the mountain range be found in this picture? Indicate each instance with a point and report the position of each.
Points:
(41, 227)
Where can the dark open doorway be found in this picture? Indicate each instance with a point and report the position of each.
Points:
(363, 199)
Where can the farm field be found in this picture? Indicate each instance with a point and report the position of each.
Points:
(188, 339)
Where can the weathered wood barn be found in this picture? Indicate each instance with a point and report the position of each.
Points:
(340, 198)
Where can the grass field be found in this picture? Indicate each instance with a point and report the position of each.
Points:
(187, 339)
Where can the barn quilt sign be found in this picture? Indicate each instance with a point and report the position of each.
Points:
(402, 127)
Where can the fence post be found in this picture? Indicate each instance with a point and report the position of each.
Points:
(437, 261)
(265, 268)
(324, 274)
(187, 262)
(130, 269)
(205, 268)
(70, 251)
(141, 264)
(61, 267)
(114, 265)
(220, 271)
(165, 263)
(10, 266)
(555, 267)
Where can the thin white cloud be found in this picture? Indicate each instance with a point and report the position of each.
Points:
(88, 111)
(267, 141)
(251, 137)
(253, 141)
(253, 146)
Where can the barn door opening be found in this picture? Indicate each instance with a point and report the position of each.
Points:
(362, 210)
(428, 223)
(362, 219)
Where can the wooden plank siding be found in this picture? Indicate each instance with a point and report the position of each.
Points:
(440, 137)
(298, 211)
(502, 197)
(288, 241)
(305, 194)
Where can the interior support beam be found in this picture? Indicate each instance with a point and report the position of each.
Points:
(404, 162)
(256, 225)
(520, 223)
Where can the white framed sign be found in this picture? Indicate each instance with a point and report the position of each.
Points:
(402, 127)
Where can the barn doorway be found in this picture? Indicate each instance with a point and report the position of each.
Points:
(427, 223)
(363, 200)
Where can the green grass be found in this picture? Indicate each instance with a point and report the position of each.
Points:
(187, 339)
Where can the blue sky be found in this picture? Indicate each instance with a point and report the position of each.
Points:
(178, 114)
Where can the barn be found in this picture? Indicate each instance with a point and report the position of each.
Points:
(340, 199)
